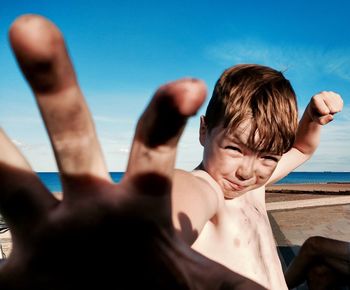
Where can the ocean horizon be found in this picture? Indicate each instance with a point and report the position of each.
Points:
(52, 179)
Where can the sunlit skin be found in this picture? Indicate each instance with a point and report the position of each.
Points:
(220, 207)
(232, 164)
(240, 173)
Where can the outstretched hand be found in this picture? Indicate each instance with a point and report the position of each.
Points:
(101, 235)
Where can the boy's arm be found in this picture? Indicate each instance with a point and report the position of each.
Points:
(319, 112)
(196, 198)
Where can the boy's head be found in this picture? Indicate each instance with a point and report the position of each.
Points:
(258, 94)
(250, 122)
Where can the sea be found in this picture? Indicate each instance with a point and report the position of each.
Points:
(52, 180)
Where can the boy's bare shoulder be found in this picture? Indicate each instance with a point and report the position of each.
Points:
(196, 199)
(210, 182)
(202, 183)
(201, 174)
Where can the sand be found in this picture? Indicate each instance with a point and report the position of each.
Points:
(327, 188)
(281, 201)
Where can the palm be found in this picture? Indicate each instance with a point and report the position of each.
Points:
(87, 245)
(101, 235)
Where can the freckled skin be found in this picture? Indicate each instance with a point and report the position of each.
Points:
(242, 218)
(252, 251)
(237, 174)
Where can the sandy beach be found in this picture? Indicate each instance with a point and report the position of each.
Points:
(296, 211)
(321, 188)
(298, 195)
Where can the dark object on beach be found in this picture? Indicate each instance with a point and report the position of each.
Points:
(3, 226)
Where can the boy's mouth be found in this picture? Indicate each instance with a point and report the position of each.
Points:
(234, 186)
(238, 187)
(232, 190)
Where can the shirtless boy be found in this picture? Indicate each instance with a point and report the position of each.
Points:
(130, 223)
(251, 138)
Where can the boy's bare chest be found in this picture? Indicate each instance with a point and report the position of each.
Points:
(239, 232)
(241, 239)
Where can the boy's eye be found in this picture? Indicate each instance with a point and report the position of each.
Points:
(272, 158)
(233, 148)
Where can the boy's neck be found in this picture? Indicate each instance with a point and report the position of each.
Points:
(200, 167)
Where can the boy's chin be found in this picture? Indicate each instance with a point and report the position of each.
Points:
(231, 194)
(234, 194)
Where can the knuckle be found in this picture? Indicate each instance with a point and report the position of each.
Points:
(315, 98)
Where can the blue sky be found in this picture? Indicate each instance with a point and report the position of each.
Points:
(123, 50)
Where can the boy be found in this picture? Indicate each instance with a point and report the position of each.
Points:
(128, 222)
(250, 138)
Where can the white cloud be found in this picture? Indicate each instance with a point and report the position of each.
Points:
(333, 151)
(20, 120)
(344, 115)
(339, 64)
(17, 143)
(284, 57)
(124, 150)
(30, 147)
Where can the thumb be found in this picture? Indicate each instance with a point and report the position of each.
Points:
(325, 119)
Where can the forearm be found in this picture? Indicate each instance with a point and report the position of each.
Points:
(320, 111)
(308, 134)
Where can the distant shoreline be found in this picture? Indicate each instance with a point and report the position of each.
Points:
(324, 189)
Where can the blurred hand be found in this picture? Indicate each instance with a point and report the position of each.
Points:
(324, 106)
(101, 235)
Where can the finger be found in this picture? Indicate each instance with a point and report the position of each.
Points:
(325, 119)
(24, 200)
(318, 105)
(43, 58)
(160, 127)
(334, 102)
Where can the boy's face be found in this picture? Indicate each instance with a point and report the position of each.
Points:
(235, 167)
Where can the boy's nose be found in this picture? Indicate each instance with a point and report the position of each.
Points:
(244, 175)
(246, 170)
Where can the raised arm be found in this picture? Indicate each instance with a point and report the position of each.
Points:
(320, 111)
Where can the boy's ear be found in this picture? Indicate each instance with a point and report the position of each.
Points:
(202, 130)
